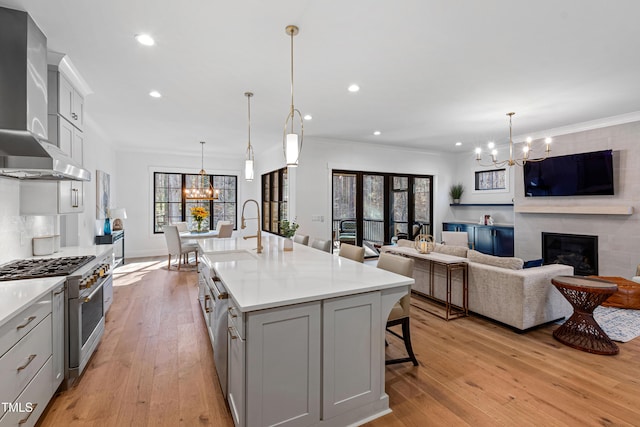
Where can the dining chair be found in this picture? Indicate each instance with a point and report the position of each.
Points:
(176, 247)
(225, 230)
(404, 243)
(323, 245)
(400, 312)
(303, 239)
(220, 224)
(352, 252)
(182, 226)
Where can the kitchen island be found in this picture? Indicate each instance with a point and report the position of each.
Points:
(304, 332)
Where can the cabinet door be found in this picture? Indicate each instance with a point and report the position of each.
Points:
(77, 148)
(57, 329)
(503, 241)
(283, 366)
(352, 352)
(65, 99)
(70, 197)
(484, 240)
(236, 372)
(78, 110)
(65, 136)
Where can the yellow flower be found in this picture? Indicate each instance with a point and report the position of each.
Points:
(199, 213)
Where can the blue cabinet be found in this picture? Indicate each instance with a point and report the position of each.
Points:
(488, 239)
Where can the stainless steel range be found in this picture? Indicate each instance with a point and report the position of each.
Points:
(87, 276)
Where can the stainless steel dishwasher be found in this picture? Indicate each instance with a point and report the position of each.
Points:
(218, 325)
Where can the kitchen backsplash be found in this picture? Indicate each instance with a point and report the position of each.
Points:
(16, 231)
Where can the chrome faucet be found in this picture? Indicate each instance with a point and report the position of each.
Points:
(244, 224)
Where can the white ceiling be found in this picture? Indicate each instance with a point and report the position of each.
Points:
(431, 72)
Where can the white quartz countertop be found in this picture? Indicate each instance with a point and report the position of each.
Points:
(16, 295)
(277, 278)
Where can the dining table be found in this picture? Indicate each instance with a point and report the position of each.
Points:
(189, 235)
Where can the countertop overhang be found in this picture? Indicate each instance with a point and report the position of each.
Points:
(276, 278)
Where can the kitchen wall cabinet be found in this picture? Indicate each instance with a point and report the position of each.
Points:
(65, 197)
(27, 350)
(489, 239)
(64, 98)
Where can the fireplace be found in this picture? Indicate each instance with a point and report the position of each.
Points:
(577, 250)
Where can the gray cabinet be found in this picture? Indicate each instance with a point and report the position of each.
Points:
(64, 98)
(57, 333)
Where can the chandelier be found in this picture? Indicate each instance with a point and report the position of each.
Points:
(526, 150)
(201, 188)
(292, 142)
(248, 162)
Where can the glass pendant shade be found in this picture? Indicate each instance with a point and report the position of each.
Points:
(248, 170)
(291, 150)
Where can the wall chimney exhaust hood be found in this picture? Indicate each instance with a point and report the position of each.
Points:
(25, 152)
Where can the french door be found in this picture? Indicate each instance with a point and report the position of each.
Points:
(380, 207)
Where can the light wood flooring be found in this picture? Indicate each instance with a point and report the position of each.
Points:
(154, 367)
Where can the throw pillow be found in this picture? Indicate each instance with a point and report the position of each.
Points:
(460, 251)
(510, 263)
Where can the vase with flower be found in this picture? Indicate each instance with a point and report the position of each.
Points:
(288, 230)
(199, 215)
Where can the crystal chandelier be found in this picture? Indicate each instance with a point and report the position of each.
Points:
(526, 150)
(292, 142)
(248, 162)
(201, 188)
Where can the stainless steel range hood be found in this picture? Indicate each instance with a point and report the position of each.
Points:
(24, 151)
(24, 155)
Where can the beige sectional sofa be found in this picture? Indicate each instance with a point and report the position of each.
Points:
(521, 298)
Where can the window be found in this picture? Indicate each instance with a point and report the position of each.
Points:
(381, 206)
(491, 180)
(275, 197)
(170, 206)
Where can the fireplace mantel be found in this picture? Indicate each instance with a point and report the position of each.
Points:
(581, 210)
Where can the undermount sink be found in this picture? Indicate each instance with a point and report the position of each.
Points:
(237, 255)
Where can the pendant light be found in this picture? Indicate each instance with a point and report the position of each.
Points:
(201, 188)
(248, 162)
(292, 142)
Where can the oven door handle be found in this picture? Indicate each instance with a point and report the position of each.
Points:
(92, 294)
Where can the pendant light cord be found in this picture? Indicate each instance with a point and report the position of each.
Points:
(292, 108)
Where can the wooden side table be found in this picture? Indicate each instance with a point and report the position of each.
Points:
(581, 331)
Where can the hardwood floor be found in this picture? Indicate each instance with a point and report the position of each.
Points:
(154, 367)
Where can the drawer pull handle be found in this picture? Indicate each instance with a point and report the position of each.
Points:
(233, 337)
(29, 320)
(223, 296)
(231, 312)
(29, 360)
(206, 306)
(24, 420)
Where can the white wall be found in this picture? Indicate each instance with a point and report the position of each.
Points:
(618, 235)
(319, 156)
(134, 187)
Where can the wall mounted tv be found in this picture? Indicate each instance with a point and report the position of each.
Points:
(584, 174)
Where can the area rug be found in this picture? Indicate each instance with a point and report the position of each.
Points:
(620, 324)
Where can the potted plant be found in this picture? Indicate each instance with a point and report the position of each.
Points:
(288, 230)
(455, 192)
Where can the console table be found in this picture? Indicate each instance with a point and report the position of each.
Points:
(450, 264)
(116, 236)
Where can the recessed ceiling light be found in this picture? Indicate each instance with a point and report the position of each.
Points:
(155, 94)
(354, 88)
(376, 133)
(458, 144)
(308, 117)
(145, 39)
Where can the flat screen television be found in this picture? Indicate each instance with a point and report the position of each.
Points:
(584, 174)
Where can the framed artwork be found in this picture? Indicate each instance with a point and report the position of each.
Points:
(491, 180)
(103, 194)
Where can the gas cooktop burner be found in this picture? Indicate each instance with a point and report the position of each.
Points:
(43, 267)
